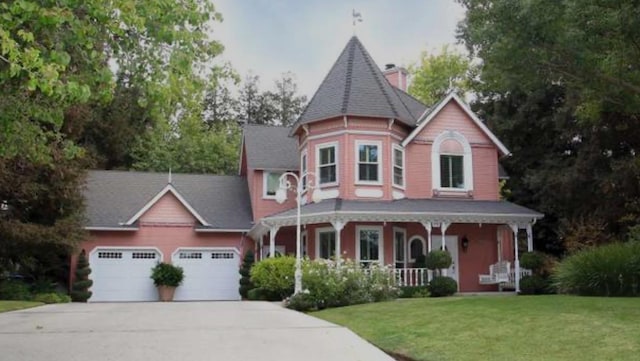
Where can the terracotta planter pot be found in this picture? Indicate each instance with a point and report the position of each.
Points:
(166, 293)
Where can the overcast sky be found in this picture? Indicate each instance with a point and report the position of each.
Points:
(270, 37)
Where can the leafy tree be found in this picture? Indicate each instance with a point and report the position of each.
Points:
(289, 105)
(80, 289)
(558, 85)
(55, 59)
(435, 74)
(219, 102)
(245, 273)
(254, 106)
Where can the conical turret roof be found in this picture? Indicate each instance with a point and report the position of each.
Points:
(355, 86)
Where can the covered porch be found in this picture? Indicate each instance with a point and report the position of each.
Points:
(477, 234)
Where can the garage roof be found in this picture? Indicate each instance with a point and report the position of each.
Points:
(114, 197)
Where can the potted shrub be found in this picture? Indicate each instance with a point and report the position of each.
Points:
(166, 277)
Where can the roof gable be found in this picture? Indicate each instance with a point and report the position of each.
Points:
(168, 189)
(355, 86)
(431, 114)
(115, 197)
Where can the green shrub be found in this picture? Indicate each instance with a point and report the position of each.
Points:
(259, 294)
(533, 261)
(275, 275)
(165, 274)
(302, 302)
(43, 286)
(245, 274)
(52, 297)
(610, 270)
(534, 285)
(333, 285)
(15, 290)
(413, 292)
(442, 286)
(80, 287)
(438, 260)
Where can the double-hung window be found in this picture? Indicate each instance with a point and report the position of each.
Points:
(326, 159)
(271, 182)
(326, 243)
(398, 166)
(368, 168)
(451, 171)
(303, 169)
(369, 245)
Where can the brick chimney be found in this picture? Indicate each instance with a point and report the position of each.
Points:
(396, 75)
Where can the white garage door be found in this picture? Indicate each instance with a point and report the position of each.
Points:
(209, 274)
(123, 274)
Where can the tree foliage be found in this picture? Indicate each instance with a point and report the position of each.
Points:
(56, 61)
(436, 74)
(559, 85)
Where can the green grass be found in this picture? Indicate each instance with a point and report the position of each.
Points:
(6, 306)
(499, 327)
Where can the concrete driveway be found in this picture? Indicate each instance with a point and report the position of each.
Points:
(184, 331)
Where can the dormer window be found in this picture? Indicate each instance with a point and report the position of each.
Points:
(271, 182)
(369, 164)
(451, 160)
(326, 159)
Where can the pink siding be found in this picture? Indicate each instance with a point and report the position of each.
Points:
(452, 117)
(418, 171)
(168, 209)
(485, 173)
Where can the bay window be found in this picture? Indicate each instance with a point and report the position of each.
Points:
(369, 162)
(327, 167)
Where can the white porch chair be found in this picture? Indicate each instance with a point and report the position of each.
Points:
(498, 274)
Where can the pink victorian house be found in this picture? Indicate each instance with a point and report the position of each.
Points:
(398, 178)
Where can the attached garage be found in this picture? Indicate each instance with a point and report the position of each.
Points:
(211, 274)
(123, 274)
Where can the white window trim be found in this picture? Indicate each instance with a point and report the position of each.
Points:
(337, 164)
(265, 175)
(317, 240)
(356, 154)
(467, 161)
(424, 247)
(380, 230)
(395, 255)
(393, 165)
(304, 160)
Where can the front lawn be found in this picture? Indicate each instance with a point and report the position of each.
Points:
(6, 306)
(499, 327)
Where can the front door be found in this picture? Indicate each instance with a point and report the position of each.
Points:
(451, 245)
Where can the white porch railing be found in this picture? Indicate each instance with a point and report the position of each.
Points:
(511, 284)
(412, 276)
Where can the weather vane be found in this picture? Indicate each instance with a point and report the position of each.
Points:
(357, 18)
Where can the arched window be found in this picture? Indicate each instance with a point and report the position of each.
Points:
(451, 162)
(417, 247)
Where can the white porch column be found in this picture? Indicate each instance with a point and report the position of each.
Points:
(514, 228)
(273, 230)
(529, 238)
(338, 226)
(428, 226)
(443, 229)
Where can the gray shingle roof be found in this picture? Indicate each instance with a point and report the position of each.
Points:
(356, 86)
(414, 105)
(270, 147)
(428, 206)
(113, 197)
